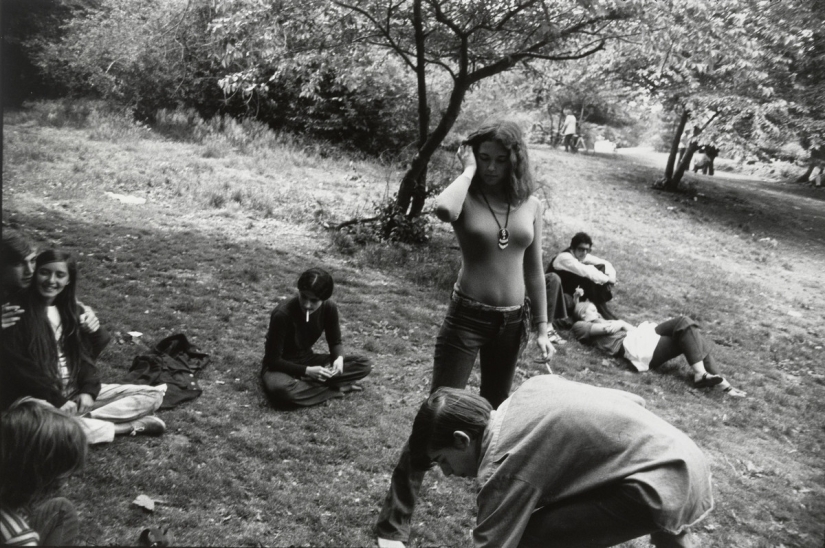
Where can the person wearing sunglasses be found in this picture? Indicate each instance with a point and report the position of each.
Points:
(576, 267)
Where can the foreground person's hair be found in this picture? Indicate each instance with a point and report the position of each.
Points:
(444, 412)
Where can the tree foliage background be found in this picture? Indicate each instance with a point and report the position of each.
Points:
(395, 77)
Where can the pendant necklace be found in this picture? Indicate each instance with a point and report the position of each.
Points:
(503, 233)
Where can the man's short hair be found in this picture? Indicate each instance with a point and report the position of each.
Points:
(443, 413)
(14, 249)
(579, 239)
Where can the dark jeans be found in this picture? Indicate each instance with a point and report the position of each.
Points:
(605, 517)
(681, 335)
(556, 305)
(285, 390)
(570, 143)
(56, 522)
(465, 333)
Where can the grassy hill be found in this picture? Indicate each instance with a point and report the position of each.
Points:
(233, 214)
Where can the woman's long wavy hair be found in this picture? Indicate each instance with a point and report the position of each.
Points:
(35, 334)
(509, 135)
(41, 445)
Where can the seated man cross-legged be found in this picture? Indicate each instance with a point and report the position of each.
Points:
(565, 464)
(292, 374)
(576, 267)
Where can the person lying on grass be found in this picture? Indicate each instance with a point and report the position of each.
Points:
(42, 446)
(17, 263)
(649, 345)
(561, 463)
(50, 354)
(291, 373)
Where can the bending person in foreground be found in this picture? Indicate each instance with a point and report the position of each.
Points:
(291, 373)
(649, 345)
(41, 447)
(566, 464)
(50, 354)
(498, 224)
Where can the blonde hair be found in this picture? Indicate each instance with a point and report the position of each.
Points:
(581, 309)
(41, 445)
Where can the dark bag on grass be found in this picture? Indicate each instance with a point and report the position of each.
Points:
(174, 362)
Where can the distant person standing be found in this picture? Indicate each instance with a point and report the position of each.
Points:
(569, 130)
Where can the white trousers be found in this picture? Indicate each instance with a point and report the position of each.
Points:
(119, 403)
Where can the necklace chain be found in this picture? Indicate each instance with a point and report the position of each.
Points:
(503, 233)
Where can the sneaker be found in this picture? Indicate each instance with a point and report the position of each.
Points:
(148, 426)
(734, 393)
(388, 543)
(707, 381)
(555, 338)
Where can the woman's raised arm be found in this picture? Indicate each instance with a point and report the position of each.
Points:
(450, 202)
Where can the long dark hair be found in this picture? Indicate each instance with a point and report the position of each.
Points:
(509, 135)
(41, 445)
(36, 332)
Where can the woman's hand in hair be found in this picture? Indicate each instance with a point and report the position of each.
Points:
(466, 156)
(84, 403)
(88, 320)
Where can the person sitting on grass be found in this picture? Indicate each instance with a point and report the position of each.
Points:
(578, 267)
(42, 446)
(50, 354)
(291, 373)
(649, 345)
(561, 463)
(17, 258)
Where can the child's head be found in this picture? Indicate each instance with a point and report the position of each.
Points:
(41, 446)
(451, 421)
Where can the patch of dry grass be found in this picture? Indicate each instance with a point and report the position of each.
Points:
(222, 238)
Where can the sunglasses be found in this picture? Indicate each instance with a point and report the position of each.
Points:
(583, 249)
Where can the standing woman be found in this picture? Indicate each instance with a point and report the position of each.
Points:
(498, 224)
(50, 354)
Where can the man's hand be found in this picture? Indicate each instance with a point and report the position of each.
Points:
(318, 373)
(11, 315)
(88, 320)
(338, 366)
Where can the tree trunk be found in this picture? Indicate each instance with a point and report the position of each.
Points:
(807, 175)
(410, 195)
(413, 189)
(674, 147)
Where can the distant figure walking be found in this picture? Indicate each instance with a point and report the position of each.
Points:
(498, 224)
(569, 130)
(292, 374)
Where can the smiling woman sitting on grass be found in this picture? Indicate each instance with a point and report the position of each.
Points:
(649, 345)
(50, 354)
(561, 463)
